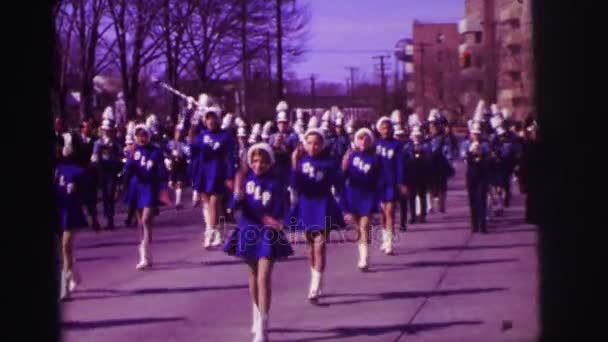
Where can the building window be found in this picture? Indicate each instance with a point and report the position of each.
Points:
(440, 38)
(478, 36)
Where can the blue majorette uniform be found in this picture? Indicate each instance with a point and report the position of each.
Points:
(70, 185)
(389, 152)
(316, 208)
(364, 183)
(146, 167)
(251, 239)
(216, 164)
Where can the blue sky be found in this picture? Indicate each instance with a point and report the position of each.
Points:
(364, 25)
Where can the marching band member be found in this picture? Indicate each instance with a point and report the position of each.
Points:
(129, 182)
(146, 167)
(256, 134)
(477, 154)
(364, 183)
(401, 136)
(340, 142)
(176, 161)
(258, 237)
(217, 168)
(416, 162)
(283, 143)
(441, 169)
(70, 185)
(314, 208)
(106, 157)
(387, 148)
(83, 144)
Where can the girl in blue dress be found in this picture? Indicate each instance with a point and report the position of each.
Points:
(388, 148)
(146, 166)
(258, 237)
(314, 208)
(364, 184)
(70, 184)
(216, 169)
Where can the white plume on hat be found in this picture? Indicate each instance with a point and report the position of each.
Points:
(349, 126)
(481, 105)
(299, 114)
(396, 116)
(203, 100)
(398, 129)
(313, 122)
(433, 115)
(106, 124)
(299, 128)
(413, 120)
(334, 109)
(475, 127)
(239, 122)
(500, 130)
(151, 120)
(260, 146)
(326, 116)
(506, 113)
(282, 117)
(241, 131)
(256, 129)
(216, 109)
(129, 139)
(282, 106)
(131, 127)
(495, 122)
(381, 120)
(339, 121)
(494, 108)
(325, 126)
(227, 121)
(67, 145)
(266, 129)
(108, 114)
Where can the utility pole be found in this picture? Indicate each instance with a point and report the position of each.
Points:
(279, 5)
(312, 93)
(382, 80)
(245, 73)
(352, 84)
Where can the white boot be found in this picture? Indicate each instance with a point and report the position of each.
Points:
(363, 256)
(256, 318)
(261, 335)
(64, 291)
(315, 285)
(208, 238)
(144, 257)
(389, 242)
(384, 241)
(217, 238)
(75, 280)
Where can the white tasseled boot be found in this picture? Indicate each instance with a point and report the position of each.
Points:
(217, 238)
(363, 256)
(384, 241)
(144, 257)
(315, 284)
(64, 291)
(261, 335)
(75, 280)
(256, 318)
(389, 242)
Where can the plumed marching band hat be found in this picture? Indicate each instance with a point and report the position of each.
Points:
(282, 117)
(381, 121)
(317, 131)
(282, 106)
(241, 132)
(396, 116)
(313, 122)
(364, 131)
(227, 121)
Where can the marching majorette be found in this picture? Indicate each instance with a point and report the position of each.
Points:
(388, 148)
(216, 149)
(70, 184)
(477, 155)
(106, 157)
(314, 209)
(364, 183)
(176, 155)
(259, 238)
(146, 166)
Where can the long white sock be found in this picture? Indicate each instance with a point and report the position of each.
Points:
(384, 237)
(194, 196)
(256, 318)
(178, 196)
(389, 240)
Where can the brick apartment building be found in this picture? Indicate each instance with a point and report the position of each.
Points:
(496, 55)
(436, 69)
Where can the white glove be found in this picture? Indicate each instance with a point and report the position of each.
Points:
(168, 163)
(70, 188)
(94, 158)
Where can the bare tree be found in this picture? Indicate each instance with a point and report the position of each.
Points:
(138, 44)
